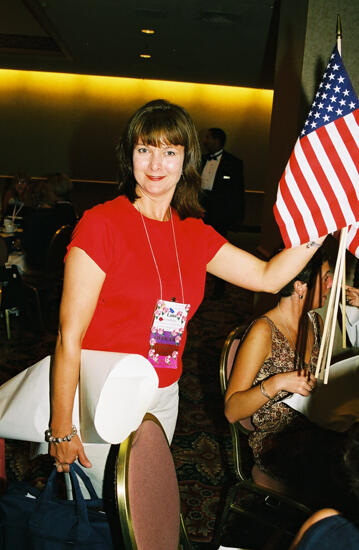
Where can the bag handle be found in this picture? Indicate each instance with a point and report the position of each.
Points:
(84, 477)
(82, 529)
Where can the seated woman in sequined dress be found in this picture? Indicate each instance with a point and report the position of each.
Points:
(278, 357)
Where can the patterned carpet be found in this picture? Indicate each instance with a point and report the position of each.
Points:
(202, 444)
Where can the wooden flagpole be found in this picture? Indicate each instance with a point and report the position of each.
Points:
(344, 316)
(329, 320)
(338, 283)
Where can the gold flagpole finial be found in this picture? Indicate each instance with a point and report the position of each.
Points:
(339, 27)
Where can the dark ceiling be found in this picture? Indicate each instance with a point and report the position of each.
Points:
(229, 42)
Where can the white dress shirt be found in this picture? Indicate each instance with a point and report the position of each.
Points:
(210, 170)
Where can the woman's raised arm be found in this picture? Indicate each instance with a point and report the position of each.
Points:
(82, 285)
(243, 269)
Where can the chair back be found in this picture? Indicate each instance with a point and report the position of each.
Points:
(147, 490)
(2, 466)
(57, 250)
(244, 426)
(228, 356)
(3, 251)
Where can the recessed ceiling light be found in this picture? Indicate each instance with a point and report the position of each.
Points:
(148, 31)
(145, 55)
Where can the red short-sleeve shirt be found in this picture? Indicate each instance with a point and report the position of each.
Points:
(113, 235)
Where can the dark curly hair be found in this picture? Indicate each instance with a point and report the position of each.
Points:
(155, 123)
(308, 274)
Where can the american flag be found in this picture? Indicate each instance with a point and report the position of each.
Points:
(319, 189)
(353, 239)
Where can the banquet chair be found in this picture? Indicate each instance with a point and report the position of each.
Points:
(57, 251)
(11, 294)
(268, 494)
(2, 466)
(147, 493)
(3, 251)
(48, 281)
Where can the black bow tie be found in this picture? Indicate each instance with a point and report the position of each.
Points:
(213, 157)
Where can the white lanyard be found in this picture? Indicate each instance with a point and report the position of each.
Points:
(154, 258)
(16, 212)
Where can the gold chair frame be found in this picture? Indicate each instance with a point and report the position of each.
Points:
(122, 494)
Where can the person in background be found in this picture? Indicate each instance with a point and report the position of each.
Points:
(64, 211)
(144, 251)
(39, 224)
(328, 529)
(277, 358)
(14, 196)
(222, 189)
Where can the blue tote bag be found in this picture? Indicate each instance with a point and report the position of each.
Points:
(37, 520)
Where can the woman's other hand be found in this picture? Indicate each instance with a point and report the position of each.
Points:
(352, 296)
(67, 452)
(294, 382)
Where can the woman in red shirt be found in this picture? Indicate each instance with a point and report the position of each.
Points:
(145, 248)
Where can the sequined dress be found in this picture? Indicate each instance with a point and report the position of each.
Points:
(285, 444)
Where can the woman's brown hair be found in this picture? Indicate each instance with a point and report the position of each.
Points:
(155, 123)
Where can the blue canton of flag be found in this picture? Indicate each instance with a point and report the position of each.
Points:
(335, 96)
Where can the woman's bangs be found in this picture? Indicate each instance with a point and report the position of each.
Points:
(157, 130)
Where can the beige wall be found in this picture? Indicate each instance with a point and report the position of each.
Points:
(71, 123)
(307, 34)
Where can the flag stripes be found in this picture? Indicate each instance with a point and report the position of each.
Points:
(318, 194)
(353, 239)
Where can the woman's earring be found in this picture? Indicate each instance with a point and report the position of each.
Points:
(300, 296)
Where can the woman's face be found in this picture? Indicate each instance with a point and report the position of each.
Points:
(20, 187)
(322, 286)
(157, 170)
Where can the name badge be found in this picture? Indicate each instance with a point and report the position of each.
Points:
(169, 322)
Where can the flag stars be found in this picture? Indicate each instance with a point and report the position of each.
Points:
(334, 97)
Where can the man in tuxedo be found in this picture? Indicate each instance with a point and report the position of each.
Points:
(222, 189)
(222, 184)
